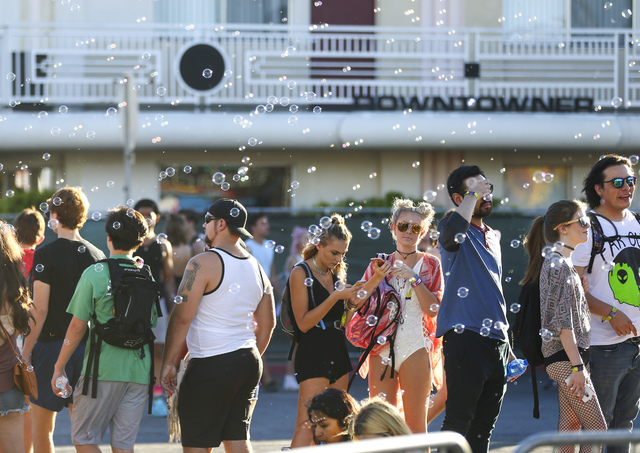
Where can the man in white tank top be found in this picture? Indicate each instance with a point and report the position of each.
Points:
(225, 312)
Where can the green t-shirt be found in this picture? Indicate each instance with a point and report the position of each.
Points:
(93, 295)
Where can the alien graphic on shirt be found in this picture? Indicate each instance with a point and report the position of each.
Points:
(624, 278)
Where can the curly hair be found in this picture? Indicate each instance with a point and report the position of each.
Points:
(337, 230)
(400, 205)
(336, 404)
(126, 227)
(14, 292)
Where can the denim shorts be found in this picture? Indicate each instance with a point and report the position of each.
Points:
(13, 401)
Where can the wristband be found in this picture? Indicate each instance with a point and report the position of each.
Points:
(415, 280)
(475, 194)
(610, 315)
(577, 367)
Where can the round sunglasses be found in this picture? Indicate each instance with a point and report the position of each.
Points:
(403, 226)
(619, 182)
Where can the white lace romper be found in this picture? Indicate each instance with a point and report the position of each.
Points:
(411, 335)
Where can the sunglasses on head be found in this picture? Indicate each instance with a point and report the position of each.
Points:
(585, 222)
(619, 182)
(403, 226)
(208, 218)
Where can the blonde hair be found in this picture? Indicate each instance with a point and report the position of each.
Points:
(378, 418)
(423, 209)
(337, 230)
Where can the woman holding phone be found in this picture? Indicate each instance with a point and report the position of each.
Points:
(417, 277)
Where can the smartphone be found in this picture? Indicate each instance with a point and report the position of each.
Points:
(380, 261)
(588, 391)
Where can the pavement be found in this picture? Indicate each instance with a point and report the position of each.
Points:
(274, 419)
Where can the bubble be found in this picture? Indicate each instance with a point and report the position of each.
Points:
(315, 240)
(608, 266)
(293, 108)
(82, 249)
(546, 335)
(225, 186)
(30, 368)
(295, 184)
(463, 292)
(9, 193)
(415, 164)
(381, 340)
(234, 288)
(499, 325)
(131, 213)
(538, 176)
(429, 196)
(339, 285)
(487, 322)
(547, 177)
(228, 73)
(616, 102)
(434, 235)
(207, 73)
(44, 206)
(116, 225)
(91, 135)
(546, 250)
(434, 308)
(111, 112)
(385, 361)
(63, 109)
(162, 238)
(314, 230)
(317, 110)
(397, 264)
(170, 171)
(236, 178)
(136, 87)
(634, 159)
(485, 331)
(371, 320)
(161, 91)
(270, 245)
(291, 84)
(526, 185)
(515, 243)
(325, 222)
(515, 308)
(234, 212)
(279, 248)
(292, 120)
(55, 131)
(178, 300)
(43, 114)
(366, 225)
(218, 178)
(39, 267)
(308, 282)
(11, 77)
(66, 342)
(252, 141)
(508, 279)
(146, 56)
(361, 294)
(99, 267)
(608, 5)
(459, 238)
(187, 169)
(24, 167)
(458, 328)
(373, 233)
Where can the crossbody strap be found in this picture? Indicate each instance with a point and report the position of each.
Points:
(307, 271)
(6, 334)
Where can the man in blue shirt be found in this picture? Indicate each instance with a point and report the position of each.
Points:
(472, 318)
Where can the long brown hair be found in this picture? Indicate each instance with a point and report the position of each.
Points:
(543, 231)
(14, 293)
(337, 230)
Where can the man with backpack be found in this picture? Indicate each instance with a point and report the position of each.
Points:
(610, 260)
(472, 318)
(120, 375)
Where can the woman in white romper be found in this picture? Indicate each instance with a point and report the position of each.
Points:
(417, 276)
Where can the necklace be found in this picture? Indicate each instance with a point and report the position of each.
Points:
(567, 247)
(317, 268)
(405, 255)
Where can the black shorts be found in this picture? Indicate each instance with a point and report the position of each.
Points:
(217, 396)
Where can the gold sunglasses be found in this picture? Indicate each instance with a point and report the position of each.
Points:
(584, 222)
(403, 226)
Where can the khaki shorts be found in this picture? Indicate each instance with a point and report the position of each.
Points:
(119, 406)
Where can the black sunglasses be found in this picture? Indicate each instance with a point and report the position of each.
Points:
(208, 218)
(585, 222)
(619, 182)
(403, 226)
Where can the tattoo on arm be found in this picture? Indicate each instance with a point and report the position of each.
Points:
(188, 279)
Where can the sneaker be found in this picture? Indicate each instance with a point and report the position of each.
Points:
(290, 384)
(159, 407)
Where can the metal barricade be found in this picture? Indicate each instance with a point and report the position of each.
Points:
(445, 442)
(594, 438)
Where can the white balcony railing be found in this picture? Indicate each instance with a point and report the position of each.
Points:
(81, 65)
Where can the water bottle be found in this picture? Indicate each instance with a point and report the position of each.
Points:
(62, 383)
(516, 367)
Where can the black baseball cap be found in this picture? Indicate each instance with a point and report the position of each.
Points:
(233, 213)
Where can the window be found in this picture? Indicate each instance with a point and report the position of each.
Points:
(256, 11)
(601, 14)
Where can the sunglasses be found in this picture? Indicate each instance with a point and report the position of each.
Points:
(208, 218)
(619, 182)
(584, 222)
(403, 226)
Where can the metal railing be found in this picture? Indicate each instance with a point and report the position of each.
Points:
(84, 65)
(592, 438)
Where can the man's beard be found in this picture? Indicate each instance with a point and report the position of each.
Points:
(484, 210)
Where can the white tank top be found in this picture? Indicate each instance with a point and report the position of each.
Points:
(224, 320)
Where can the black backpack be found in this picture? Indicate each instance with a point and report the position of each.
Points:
(135, 294)
(526, 332)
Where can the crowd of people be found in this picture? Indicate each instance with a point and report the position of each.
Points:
(448, 350)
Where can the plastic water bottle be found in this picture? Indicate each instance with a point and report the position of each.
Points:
(516, 367)
(62, 383)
